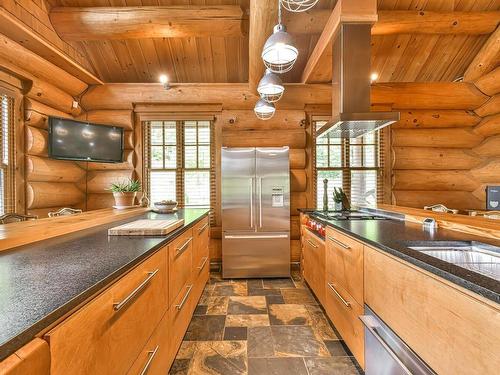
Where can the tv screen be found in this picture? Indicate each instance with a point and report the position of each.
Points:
(76, 140)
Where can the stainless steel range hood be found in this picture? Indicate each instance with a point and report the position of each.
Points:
(351, 116)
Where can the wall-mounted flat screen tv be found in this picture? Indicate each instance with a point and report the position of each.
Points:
(76, 140)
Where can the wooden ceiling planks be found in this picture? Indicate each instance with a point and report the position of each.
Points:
(396, 58)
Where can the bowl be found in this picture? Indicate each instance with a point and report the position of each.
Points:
(165, 205)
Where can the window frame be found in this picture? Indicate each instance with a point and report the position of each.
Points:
(9, 170)
(345, 163)
(181, 168)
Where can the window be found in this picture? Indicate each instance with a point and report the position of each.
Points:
(352, 164)
(7, 165)
(180, 162)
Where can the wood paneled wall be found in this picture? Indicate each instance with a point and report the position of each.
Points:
(446, 147)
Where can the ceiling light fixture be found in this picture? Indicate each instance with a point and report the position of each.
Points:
(298, 5)
(264, 110)
(270, 87)
(164, 82)
(279, 53)
(373, 77)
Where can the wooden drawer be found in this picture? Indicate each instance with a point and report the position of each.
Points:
(344, 312)
(344, 260)
(107, 334)
(31, 359)
(155, 358)
(200, 246)
(314, 263)
(179, 317)
(180, 253)
(447, 326)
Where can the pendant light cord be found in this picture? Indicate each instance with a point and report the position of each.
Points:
(279, 12)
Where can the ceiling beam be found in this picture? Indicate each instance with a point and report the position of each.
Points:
(229, 95)
(424, 22)
(487, 59)
(140, 22)
(319, 65)
(263, 17)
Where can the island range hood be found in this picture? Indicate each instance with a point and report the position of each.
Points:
(351, 116)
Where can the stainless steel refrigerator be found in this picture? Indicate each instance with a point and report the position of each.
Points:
(255, 212)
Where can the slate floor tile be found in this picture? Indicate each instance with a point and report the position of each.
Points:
(278, 283)
(205, 327)
(300, 296)
(297, 341)
(260, 342)
(219, 358)
(180, 367)
(276, 366)
(331, 366)
(337, 348)
(274, 300)
(247, 305)
(289, 314)
(247, 320)
(235, 333)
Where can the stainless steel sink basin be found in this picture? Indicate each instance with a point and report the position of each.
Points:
(475, 256)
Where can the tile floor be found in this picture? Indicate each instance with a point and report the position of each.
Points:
(260, 327)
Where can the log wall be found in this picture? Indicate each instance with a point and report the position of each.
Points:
(446, 147)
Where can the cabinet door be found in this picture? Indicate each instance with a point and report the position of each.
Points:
(106, 335)
(200, 246)
(180, 258)
(344, 260)
(314, 247)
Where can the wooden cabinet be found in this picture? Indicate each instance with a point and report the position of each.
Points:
(344, 311)
(154, 358)
(180, 257)
(31, 359)
(313, 249)
(107, 334)
(451, 329)
(201, 258)
(344, 261)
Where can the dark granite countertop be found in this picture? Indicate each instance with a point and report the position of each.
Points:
(41, 282)
(394, 235)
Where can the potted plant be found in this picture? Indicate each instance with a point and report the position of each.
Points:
(125, 192)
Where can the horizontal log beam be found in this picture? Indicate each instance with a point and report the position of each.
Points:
(434, 158)
(52, 194)
(51, 96)
(12, 28)
(462, 200)
(427, 95)
(442, 138)
(420, 119)
(448, 180)
(264, 138)
(50, 170)
(231, 96)
(487, 59)
(140, 22)
(428, 22)
(246, 120)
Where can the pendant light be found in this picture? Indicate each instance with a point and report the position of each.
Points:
(270, 87)
(279, 53)
(264, 110)
(298, 5)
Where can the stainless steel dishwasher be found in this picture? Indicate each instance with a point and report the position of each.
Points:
(386, 353)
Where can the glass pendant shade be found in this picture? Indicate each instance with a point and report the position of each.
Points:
(270, 87)
(264, 110)
(298, 5)
(279, 53)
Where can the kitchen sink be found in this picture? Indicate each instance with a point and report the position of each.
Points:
(475, 256)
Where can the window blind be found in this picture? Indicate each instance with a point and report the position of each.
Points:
(8, 155)
(355, 165)
(180, 160)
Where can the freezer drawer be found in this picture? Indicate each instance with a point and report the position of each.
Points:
(255, 254)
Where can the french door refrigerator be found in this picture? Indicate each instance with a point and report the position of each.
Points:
(255, 212)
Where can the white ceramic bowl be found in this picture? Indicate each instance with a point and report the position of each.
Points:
(165, 206)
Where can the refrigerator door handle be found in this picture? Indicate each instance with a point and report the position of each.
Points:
(245, 236)
(260, 202)
(251, 202)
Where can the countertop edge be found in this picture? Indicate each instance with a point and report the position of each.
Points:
(9, 347)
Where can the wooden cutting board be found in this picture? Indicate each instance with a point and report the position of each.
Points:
(146, 227)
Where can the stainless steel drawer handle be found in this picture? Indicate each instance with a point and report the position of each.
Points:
(203, 264)
(202, 229)
(118, 305)
(312, 244)
(184, 246)
(184, 299)
(339, 243)
(366, 321)
(347, 304)
(151, 355)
